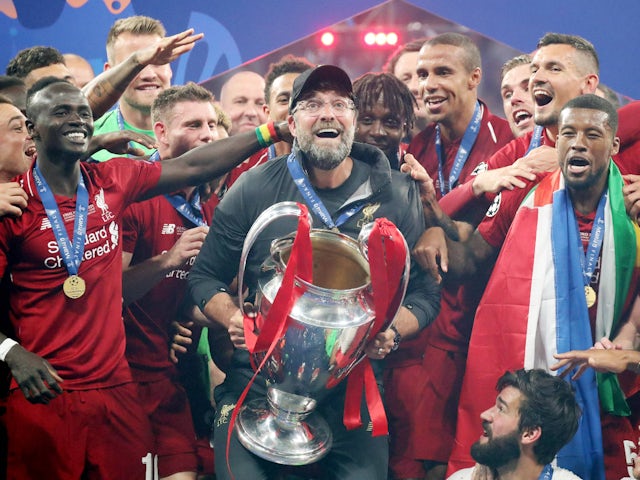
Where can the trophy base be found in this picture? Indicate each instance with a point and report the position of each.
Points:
(299, 443)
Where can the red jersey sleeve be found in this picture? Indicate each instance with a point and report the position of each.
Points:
(130, 228)
(500, 215)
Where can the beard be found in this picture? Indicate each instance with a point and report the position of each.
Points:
(497, 452)
(548, 120)
(323, 157)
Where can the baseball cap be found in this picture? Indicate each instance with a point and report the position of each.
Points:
(308, 80)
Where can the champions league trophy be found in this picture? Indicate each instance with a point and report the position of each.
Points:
(329, 325)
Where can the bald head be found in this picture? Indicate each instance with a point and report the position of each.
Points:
(80, 68)
(242, 97)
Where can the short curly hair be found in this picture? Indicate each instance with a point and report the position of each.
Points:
(33, 58)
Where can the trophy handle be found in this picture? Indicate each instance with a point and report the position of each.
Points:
(274, 212)
(363, 240)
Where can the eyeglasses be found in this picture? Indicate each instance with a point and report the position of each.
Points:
(313, 107)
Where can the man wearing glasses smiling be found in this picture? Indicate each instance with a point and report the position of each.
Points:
(351, 184)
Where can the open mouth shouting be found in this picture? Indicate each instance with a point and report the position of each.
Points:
(486, 431)
(577, 165)
(521, 117)
(327, 133)
(542, 97)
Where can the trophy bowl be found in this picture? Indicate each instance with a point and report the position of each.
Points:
(329, 326)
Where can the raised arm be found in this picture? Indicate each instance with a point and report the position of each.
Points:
(104, 90)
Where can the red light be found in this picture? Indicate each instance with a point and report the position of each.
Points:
(327, 39)
(381, 39)
(370, 38)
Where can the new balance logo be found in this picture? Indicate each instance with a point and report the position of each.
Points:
(168, 229)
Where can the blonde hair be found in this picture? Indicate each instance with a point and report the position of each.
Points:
(136, 25)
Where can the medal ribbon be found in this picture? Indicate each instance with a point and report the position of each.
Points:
(120, 120)
(466, 144)
(583, 454)
(589, 259)
(387, 257)
(192, 209)
(536, 139)
(71, 253)
(313, 200)
(272, 152)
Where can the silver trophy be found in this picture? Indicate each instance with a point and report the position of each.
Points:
(329, 326)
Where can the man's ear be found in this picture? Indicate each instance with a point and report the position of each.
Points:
(590, 83)
(615, 147)
(160, 132)
(475, 78)
(292, 125)
(531, 435)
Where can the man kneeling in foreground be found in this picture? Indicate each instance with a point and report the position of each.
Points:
(535, 415)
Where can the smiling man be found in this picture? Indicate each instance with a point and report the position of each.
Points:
(351, 184)
(560, 283)
(63, 255)
(133, 112)
(563, 67)
(535, 415)
(462, 135)
(387, 114)
(517, 101)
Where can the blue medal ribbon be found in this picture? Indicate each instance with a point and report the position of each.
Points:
(466, 144)
(590, 258)
(71, 252)
(192, 209)
(536, 139)
(312, 199)
(272, 152)
(583, 454)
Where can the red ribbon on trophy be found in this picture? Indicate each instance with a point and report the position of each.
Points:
(387, 258)
(271, 329)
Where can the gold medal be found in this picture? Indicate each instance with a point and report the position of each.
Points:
(74, 287)
(590, 295)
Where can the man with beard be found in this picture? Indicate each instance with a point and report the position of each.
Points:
(274, 102)
(77, 413)
(535, 415)
(350, 184)
(560, 283)
(425, 375)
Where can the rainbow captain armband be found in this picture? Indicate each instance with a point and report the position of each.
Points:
(267, 134)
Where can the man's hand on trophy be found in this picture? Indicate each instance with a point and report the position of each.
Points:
(236, 325)
(381, 345)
